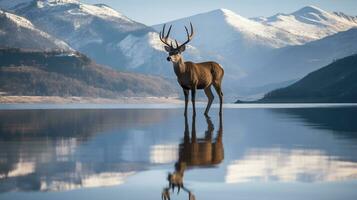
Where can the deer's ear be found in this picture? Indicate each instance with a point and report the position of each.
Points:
(167, 48)
(182, 48)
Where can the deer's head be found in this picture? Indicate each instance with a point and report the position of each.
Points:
(175, 52)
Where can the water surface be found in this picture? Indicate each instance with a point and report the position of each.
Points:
(285, 152)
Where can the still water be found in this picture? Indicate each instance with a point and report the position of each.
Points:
(252, 153)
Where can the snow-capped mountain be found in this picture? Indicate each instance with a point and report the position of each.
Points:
(92, 29)
(246, 44)
(294, 62)
(18, 32)
(236, 40)
(225, 26)
(310, 23)
(240, 40)
(242, 46)
(146, 54)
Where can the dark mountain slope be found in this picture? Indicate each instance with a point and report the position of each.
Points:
(55, 73)
(336, 82)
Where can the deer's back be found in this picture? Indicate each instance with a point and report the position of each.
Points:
(204, 73)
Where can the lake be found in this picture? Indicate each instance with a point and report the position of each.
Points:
(131, 152)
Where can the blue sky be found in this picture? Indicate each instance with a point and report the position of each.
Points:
(157, 11)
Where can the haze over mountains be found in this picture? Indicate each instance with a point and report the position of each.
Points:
(294, 62)
(259, 54)
(335, 83)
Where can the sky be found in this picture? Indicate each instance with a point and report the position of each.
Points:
(152, 12)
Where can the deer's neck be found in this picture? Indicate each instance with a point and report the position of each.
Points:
(179, 67)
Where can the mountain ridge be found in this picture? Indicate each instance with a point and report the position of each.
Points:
(15, 31)
(58, 73)
(294, 62)
(92, 29)
(310, 22)
(239, 44)
(334, 83)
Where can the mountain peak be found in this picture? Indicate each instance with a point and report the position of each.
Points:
(19, 21)
(62, 1)
(15, 31)
(223, 11)
(308, 10)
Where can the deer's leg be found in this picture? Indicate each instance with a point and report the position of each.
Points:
(193, 130)
(210, 97)
(193, 99)
(185, 92)
(220, 94)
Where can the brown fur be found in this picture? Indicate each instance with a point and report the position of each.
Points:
(193, 76)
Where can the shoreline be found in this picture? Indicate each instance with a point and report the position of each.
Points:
(86, 100)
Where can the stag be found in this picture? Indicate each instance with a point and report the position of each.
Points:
(193, 76)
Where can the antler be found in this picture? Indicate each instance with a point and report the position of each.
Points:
(189, 36)
(164, 38)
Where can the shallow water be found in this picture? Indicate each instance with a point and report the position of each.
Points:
(299, 152)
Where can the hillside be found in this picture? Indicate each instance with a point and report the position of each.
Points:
(239, 41)
(18, 32)
(260, 54)
(335, 83)
(94, 30)
(56, 73)
(294, 62)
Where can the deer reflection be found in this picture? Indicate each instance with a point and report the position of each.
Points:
(195, 152)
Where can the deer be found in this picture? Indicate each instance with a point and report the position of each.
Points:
(193, 76)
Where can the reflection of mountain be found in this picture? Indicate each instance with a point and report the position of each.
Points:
(105, 147)
(289, 166)
(340, 121)
(293, 145)
(67, 149)
(57, 73)
(24, 124)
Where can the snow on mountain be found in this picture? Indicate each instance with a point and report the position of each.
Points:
(256, 31)
(146, 54)
(236, 40)
(99, 10)
(294, 62)
(223, 22)
(240, 41)
(92, 29)
(18, 32)
(310, 23)
(247, 45)
(239, 44)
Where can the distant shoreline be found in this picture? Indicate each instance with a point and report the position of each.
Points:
(86, 100)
